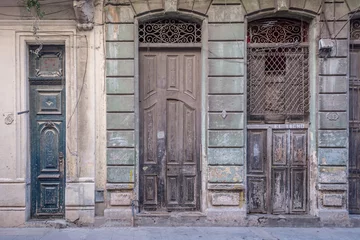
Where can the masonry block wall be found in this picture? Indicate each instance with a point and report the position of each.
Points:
(333, 114)
(226, 106)
(120, 116)
(226, 101)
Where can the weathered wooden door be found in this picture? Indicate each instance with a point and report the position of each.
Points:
(170, 129)
(354, 128)
(47, 130)
(278, 115)
(277, 169)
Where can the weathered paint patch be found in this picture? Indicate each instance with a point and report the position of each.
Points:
(333, 156)
(333, 138)
(226, 85)
(226, 138)
(333, 102)
(120, 32)
(329, 84)
(231, 121)
(226, 156)
(234, 31)
(334, 120)
(120, 103)
(120, 50)
(226, 174)
(121, 198)
(118, 68)
(226, 49)
(120, 156)
(332, 175)
(333, 66)
(224, 13)
(224, 67)
(120, 138)
(227, 103)
(119, 14)
(120, 174)
(120, 121)
(120, 85)
(225, 199)
(333, 200)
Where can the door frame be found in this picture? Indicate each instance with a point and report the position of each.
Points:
(67, 38)
(312, 122)
(203, 93)
(353, 44)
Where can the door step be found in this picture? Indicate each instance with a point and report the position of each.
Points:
(269, 220)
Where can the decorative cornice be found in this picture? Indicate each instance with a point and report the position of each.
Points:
(84, 12)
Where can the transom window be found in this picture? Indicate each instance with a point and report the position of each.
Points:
(169, 30)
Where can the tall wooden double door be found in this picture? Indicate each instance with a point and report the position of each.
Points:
(169, 129)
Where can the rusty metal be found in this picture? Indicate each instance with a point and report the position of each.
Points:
(169, 30)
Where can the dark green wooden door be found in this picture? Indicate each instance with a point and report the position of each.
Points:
(47, 130)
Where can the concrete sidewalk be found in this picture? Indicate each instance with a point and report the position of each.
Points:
(179, 233)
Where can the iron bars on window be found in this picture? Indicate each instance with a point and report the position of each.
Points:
(278, 83)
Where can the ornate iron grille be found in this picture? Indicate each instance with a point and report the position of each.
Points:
(277, 31)
(169, 31)
(355, 29)
(278, 83)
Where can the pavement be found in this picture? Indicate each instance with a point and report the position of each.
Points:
(179, 233)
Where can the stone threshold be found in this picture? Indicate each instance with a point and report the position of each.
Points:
(170, 214)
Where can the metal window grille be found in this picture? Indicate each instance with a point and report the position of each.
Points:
(278, 79)
(169, 31)
(355, 29)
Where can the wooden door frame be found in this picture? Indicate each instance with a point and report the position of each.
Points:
(23, 156)
(313, 165)
(203, 93)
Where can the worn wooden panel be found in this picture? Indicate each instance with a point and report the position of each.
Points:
(189, 128)
(173, 72)
(190, 76)
(279, 195)
(47, 131)
(150, 134)
(298, 190)
(256, 152)
(169, 95)
(279, 148)
(150, 189)
(256, 192)
(354, 194)
(298, 147)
